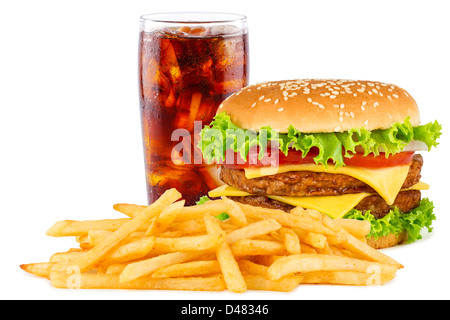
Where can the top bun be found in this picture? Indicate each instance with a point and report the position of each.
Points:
(320, 105)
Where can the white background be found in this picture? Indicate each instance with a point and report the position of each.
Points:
(70, 126)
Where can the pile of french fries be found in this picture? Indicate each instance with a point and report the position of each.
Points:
(170, 246)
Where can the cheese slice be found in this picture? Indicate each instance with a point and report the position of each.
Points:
(334, 206)
(387, 182)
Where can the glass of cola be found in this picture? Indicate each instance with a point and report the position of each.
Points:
(188, 64)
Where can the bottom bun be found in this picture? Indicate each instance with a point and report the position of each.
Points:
(387, 241)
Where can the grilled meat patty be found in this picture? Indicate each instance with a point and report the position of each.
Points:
(307, 183)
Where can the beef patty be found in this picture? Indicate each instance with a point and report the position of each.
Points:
(405, 201)
(307, 183)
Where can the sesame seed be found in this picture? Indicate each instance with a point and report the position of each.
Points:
(341, 119)
(261, 98)
(366, 122)
(352, 114)
(281, 109)
(309, 100)
(389, 97)
(267, 100)
(395, 95)
(332, 96)
(276, 101)
(253, 105)
(376, 104)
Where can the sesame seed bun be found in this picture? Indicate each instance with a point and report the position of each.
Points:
(317, 105)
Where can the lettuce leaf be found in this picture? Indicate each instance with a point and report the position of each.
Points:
(202, 200)
(396, 222)
(222, 135)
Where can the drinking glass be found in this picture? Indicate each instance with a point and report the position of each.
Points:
(188, 64)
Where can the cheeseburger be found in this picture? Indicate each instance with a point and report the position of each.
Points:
(345, 148)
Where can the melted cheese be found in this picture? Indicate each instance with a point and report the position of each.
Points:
(334, 206)
(387, 182)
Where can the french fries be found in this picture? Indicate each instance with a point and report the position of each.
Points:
(170, 246)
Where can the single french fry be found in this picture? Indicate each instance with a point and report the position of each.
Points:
(165, 218)
(326, 249)
(131, 251)
(145, 267)
(95, 236)
(69, 228)
(41, 269)
(320, 262)
(195, 226)
(316, 240)
(112, 281)
(61, 256)
(116, 268)
(308, 213)
(305, 248)
(253, 230)
(251, 247)
(130, 210)
(285, 284)
(193, 243)
(188, 269)
(230, 269)
(290, 240)
(358, 228)
(352, 278)
(170, 234)
(265, 260)
(83, 242)
(250, 267)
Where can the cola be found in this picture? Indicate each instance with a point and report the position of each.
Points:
(184, 75)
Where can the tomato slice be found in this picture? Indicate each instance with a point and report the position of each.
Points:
(295, 157)
(380, 161)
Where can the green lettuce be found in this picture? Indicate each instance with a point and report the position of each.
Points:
(396, 222)
(222, 135)
(202, 200)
